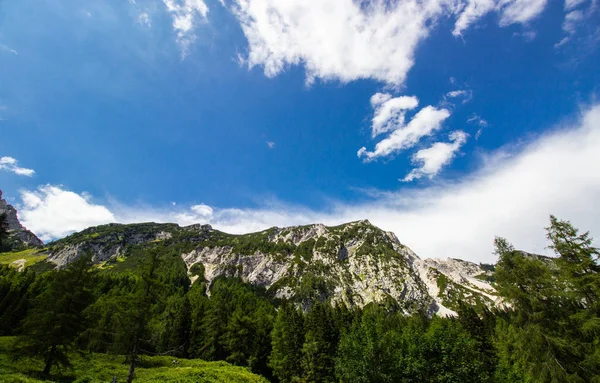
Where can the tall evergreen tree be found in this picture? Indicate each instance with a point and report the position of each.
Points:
(550, 332)
(320, 343)
(56, 318)
(287, 340)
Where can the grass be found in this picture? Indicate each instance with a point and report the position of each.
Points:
(31, 256)
(100, 368)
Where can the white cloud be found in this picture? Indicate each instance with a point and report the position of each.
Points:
(424, 123)
(52, 212)
(511, 12)
(144, 19)
(271, 144)
(572, 20)
(457, 93)
(346, 40)
(434, 158)
(511, 196)
(471, 12)
(10, 164)
(337, 39)
(466, 94)
(572, 4)
(389, 112)
(202, 210)
(520, 11)
(8, 49)
(475, 119)
(186, 14)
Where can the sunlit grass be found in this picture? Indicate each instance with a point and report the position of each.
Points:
(31, 257)
(101, 368)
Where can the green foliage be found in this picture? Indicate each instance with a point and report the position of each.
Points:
(552, 332)
(287, 340)
(55, 319)
(320, 342)
(28, 256)
(101, 368)
(384, 347)
(133, 316)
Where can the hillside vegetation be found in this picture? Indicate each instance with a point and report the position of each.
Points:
(129, 302)
(102, 368)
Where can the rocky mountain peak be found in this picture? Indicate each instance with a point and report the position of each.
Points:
(20, 235)
(352, 264)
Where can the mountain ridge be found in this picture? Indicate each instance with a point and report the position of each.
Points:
(352, 264)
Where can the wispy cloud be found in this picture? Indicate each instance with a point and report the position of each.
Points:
(465, 94)
(434, 158)
(475, 119)
(424, 123)
(6, 48)
(576, 14)
(271, 144)
(10, 164)
(186, 15)
(390, 111)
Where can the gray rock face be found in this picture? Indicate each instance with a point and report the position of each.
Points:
(17, 231)
(106, 246)
(352, 264)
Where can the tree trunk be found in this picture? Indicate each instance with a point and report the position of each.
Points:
(133, 361)
(49, 360)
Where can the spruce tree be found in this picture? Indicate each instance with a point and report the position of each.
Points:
(55, 320)
(287, 340)
(320, 343)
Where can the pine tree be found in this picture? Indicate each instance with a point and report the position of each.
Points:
(56, 318)
(549, 332)
(125, 313)
(320, 343)
(578, 266)
(287, 340)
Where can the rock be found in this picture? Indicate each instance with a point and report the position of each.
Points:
(353, 264)
(19, 234)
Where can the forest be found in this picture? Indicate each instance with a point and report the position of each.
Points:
(546, 330)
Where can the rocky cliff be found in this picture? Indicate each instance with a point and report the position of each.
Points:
(352, 264)
(19, 235)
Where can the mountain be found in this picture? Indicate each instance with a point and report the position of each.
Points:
(20, 237)
(352, 264)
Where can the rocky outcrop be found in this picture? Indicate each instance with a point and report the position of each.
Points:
(107, 242)
(20, 236)
(352, 264)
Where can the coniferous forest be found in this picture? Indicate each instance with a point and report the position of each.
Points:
(56, 324)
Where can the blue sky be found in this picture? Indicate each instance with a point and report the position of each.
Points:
(251, 113)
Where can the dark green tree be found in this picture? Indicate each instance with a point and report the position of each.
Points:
(320, 344)
(550, 332)
(366, 351)
(55, 319)
(287, 340)
(126, 312)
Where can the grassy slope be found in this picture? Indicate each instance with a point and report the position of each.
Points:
(31, 256)
(97, 368)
